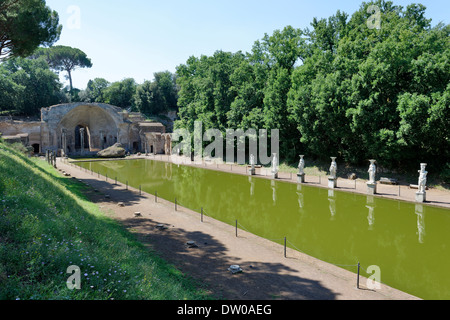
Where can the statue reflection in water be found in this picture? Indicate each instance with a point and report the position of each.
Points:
(420, 222)
(332, 206)
(252, 186)
(274, 191)
(300, 196)
(371, 206)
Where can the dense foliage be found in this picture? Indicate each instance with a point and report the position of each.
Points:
(27, 85)
(340, 88)
(151, 97)
(158, 96)
(25, 25)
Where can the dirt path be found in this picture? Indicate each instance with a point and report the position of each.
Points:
(267, 274)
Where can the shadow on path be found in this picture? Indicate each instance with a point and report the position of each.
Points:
(208, 263)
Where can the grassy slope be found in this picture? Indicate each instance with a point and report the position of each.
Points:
(46, 225)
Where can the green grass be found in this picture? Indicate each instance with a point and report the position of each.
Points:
(47, 225)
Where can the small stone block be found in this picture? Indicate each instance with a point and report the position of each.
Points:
(332, 183)
(235, 269)
(191, 244)
(421, 197)
(388, 181)
(371, 188)
(300, 178)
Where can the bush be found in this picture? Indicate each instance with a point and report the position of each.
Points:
(445, 174)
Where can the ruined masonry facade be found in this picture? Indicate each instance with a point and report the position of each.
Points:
(87, 128)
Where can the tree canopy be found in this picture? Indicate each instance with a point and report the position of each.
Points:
(339, 88)
(64, 58)
(26, 25)
(121, 93)
(343, 87)
(158, 96)
(27, 85)
(95, 90)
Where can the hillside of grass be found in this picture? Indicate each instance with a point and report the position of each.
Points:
(47, 225)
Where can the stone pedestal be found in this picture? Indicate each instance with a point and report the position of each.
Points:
(332, 183)
(421, 197)
(300, 178)
(252, 171)
(274, 175)
(371, 188)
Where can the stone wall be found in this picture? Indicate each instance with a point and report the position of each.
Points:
(86, 128)
(16, 128)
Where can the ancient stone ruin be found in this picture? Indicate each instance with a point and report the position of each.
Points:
(84, 129)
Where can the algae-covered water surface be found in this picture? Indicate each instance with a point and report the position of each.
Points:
(409, 243)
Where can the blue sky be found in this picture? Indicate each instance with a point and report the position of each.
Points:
(137, 38)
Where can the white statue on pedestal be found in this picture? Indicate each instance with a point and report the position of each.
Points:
(252, 161)
(275, 164)
(372, 172)
(422, 178)
(301, 166)
(333, 168)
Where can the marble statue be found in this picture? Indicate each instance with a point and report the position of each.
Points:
(252, 165)
(333, 168)
(301, 165)
(275, 163)
(422, 178)
(372, 172)
(275, 166)
(252, 161)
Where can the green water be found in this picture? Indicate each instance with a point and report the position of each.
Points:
(409, 243)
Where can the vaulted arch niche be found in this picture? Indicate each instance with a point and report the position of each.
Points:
(87, 128)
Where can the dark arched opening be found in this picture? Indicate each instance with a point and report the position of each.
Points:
(78, 137)
(36, 148)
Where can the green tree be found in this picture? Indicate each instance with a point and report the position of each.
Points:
(29, 86)
(158, 96)
(12, 94)
(425, 126)
(361, 90)
(284, 48)
(64, 58)
(327, 33)
(248, 81)
(26, 25)
(340, 88)
(95, 91)
(206, 90)
(283, 51)
(121, 93)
